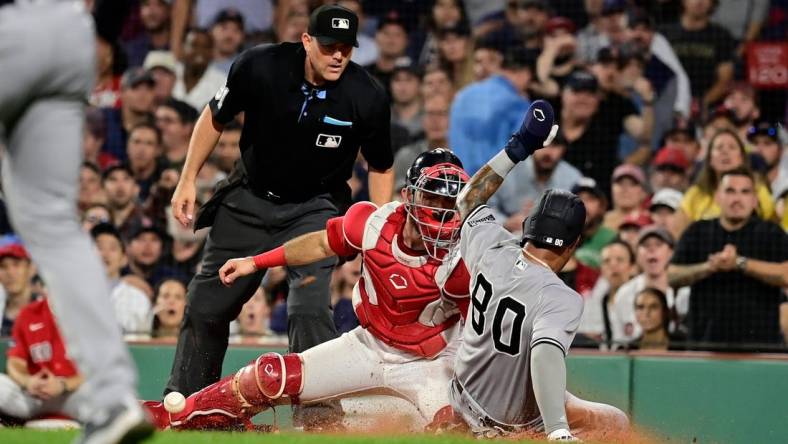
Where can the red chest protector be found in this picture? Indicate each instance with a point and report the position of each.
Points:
(406, 301)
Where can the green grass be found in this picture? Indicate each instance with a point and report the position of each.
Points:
(27, 436)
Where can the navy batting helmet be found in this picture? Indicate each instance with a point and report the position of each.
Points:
(557, 221)
(430, 158)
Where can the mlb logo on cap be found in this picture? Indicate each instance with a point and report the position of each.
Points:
(340, 23)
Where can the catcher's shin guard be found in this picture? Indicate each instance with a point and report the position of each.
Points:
(268, 380)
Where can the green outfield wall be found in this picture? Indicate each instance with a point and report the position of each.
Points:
(681, 397)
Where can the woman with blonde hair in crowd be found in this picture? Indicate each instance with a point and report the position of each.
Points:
(725, 152)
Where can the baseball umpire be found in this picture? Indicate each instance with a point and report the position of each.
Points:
(307, 111)
(523, 317)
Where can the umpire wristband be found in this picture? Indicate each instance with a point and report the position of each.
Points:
(273, 258)
(501, 163)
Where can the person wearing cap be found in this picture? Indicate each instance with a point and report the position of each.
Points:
(145, 251)
(595, 234)
(629, 190)
(670, 169)
(227, 32)
(742, 101)
(664, 207)
(197, 80)
(136, 94)
(162, 66)
(595, 36)
(653, 250)
(367, 51)
(705, 49)
(484, 114)
(736, 265)
(308, 111)
(765, 140)
(542, 171)
(16, 274)
(155, 35)
(631, 226)
(407, 109)
(391, 38)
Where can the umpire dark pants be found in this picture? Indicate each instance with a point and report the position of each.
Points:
(245, 225)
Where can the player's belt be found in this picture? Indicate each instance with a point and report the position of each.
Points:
(486, 421)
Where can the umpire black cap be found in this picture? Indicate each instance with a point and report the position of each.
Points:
(334, 24)
(557, 221)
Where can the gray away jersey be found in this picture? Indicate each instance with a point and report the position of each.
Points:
(515, 304)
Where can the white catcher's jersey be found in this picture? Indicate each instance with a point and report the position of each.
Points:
(515, 304)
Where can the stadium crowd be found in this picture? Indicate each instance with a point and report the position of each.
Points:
(676, 152)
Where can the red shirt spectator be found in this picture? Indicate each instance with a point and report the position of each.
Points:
(37, 340)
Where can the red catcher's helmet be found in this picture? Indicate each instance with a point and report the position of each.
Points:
(432, 206)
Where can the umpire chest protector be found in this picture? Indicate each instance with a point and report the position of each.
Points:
(300, 140)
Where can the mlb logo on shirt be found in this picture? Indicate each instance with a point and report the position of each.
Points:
(340, 23)
(328, 141)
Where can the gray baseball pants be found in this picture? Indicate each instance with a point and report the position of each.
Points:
(47, 66)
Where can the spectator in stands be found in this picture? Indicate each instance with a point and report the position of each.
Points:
(16, 274)
(94, 215)
(145, 253)
(444, 14)
(162, 67)
(743, 19)
(606, 20)
(485, 114)
(670, 169)
(131, 305)
(258, 14)
(742, 102)
(765, 140)
(619, 114)
(228, 149)
(40, 377)
(726, 152)
(136, 107)
(155, 18)
(293, 26)
(684, 138)
(90, 190)
(455, 52)
(591, 147)
(704, 49)
(342, 284)
(631, 226)
(665, 205)
(196, 80)
(654, 250)
(367, 51)
(122, 192)
(407, 109)
(618, 266)
(595, 235)
(169, 304)
(663, 69)
(487, 58)
(652, 318)
(737, 266)
(175, 119)
(392, 40)
(629, 194)
(556, 61)
(110, 64)
(543, 170)
(187, 245)
(144, 150)
(436, 82)
(93, 138)
(227, 33)
(435, 123)
(255, 316)
(525, 23)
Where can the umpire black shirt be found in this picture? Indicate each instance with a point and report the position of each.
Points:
(301, 140)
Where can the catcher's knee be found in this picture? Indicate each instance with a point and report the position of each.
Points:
(270, 377)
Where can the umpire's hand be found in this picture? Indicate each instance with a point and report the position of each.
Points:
(183, 201)
(236, 268)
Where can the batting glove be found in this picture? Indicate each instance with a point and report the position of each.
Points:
(537, 131)
(562, 435)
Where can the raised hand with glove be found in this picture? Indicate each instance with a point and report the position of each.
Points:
(537, 131)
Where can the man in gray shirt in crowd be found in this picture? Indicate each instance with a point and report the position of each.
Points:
(523, 317)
